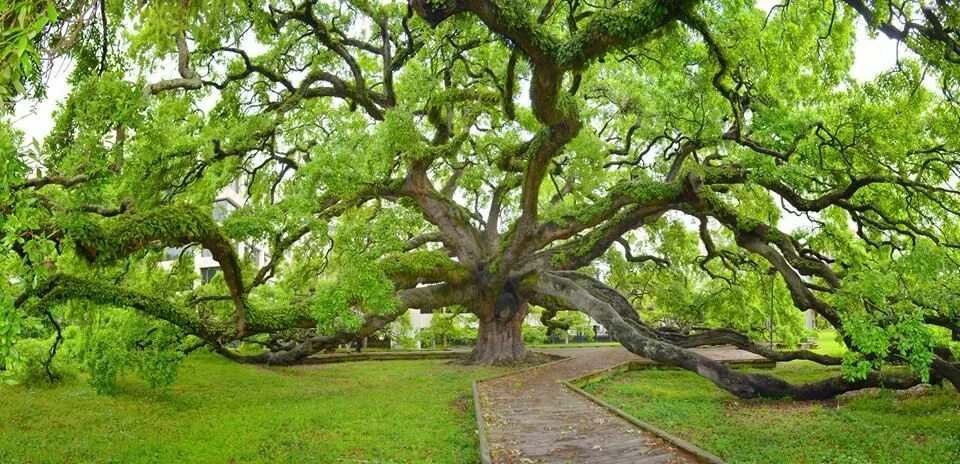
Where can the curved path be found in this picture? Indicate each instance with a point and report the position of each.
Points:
(531, 418)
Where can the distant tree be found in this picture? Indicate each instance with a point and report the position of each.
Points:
(563, 324)
(484, 153)
(577, 323)
(448, 329)
(401, 333)
(678, 294)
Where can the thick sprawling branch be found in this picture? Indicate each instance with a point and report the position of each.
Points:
(625, 310)
(427, 297)
(731, 337)
(555, 289)
(451, 219)
(119, 236)
(62, 288)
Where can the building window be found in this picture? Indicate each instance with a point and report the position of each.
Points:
(222, 209)
(207, 273)
(255, 256)
(170, 254)
(206, 253)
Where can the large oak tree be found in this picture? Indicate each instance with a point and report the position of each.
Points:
(492, 154)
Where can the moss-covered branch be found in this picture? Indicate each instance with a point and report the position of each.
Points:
(103, 240)
(62, 288)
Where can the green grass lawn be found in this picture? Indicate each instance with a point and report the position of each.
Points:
(877, 428)
(221, 412)
(828, 344)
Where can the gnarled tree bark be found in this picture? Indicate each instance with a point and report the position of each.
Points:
(500, 339)
(558, 289)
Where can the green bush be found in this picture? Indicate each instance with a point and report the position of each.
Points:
(105, 360)
(534, 334)
(449, 329)
(32, 354)
(159, 362)
(151, 352)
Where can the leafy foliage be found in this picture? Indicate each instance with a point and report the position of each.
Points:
(23, 22)
(462, 154)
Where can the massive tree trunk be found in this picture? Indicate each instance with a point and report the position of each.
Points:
(950, 370)
(500, 339)
(499, 343)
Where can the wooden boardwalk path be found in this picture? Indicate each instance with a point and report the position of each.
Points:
(531, 418)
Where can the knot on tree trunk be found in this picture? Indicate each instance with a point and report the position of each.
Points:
(500, 336)
(435, 12)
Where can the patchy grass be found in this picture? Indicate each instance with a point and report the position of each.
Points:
(829, 344)
(222, 412)
(871, 428)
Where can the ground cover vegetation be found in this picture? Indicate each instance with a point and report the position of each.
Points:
(917, 426)
(622, 159)
(890, 428)
(220, 411)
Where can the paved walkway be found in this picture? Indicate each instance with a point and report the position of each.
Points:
(531, 418)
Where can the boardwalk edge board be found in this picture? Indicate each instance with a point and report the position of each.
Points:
(577, 383)
(701, 454)
(483, 445)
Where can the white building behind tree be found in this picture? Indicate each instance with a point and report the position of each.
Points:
(228, 200)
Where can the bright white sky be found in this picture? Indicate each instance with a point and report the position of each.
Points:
(35, 119)
(872, 56)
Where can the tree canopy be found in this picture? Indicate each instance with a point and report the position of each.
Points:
(492, 154)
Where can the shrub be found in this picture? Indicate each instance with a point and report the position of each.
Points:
(33, 354)
(105, 360)
(534, 334)
(159, 362)
(151, 353)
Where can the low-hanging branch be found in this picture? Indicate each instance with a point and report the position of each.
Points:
(559, 290)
